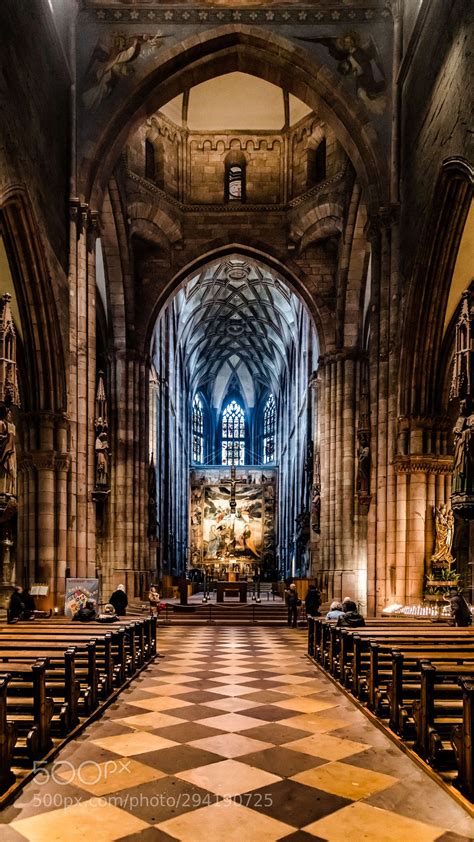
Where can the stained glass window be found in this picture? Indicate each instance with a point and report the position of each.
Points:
(269, 430)
(198, 430)
(233, 435)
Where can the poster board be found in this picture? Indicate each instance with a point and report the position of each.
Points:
(78, 591)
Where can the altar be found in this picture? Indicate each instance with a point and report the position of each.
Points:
(231, 590)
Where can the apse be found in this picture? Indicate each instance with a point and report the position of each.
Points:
(233, 353)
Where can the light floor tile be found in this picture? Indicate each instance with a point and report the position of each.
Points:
(158, 704)
(318, 723)
(138, 742)
(170, 689)
(345, 780)
(289, 689)
(150, 721)
(230, 745)
(231, 722)
(103, 778)
(304, 705)
(323, 745)
(224, 679)
(228, 778)
(364, 823)
(228, 821)
(80, 823)
(232, 705)
(231, 689)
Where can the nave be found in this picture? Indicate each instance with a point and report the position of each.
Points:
(235, 735)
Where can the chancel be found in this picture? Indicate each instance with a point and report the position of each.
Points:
(236, 420)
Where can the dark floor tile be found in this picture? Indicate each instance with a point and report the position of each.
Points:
(121, 709)
(10, 835)
(293, 803)
(151, 834)
(186, 732)
(194, 712)
(177, 758)
(276, 733)
(270, 713)
(301, 836)
(450, 836)
(266, 696)
(160, 800)
(281, 761)
(198, 697)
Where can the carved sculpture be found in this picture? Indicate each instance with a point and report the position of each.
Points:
(8, 467)
(444, 527)
(462, 387)
(102, 453)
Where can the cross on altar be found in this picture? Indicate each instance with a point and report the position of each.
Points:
(233, 482)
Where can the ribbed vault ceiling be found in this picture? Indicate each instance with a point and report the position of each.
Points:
(237, 324)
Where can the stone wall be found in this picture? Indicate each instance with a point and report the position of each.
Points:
(34, 104)
(436, 98)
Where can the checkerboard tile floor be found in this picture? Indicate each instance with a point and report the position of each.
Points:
(234, 735)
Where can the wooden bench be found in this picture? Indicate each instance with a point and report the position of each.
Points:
(29, 706)
(462, 739)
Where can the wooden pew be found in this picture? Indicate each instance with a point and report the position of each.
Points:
(462, 739)
(439, 709)
(8, 737)
(30, 707)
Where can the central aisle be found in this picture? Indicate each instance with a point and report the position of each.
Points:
(233, 736)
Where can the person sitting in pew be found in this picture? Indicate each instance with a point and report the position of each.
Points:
(15, 606)
(86, 613)
(335, 611)
(351, 619)
(460, 611)
(29, 605)
(108, 615)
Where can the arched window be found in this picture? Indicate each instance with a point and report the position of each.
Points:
(198, 430)
(154, 162)
(269, 430)
(316, 159)
(235, 189)
(233, 435)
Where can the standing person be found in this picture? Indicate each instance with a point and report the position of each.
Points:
(313, 601)
(292, 602)
(460, 611)
(154, 600)
(119, 600)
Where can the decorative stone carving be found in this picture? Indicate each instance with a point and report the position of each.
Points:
(444, 528)
(462, 499)
(102, 456)
(152, 518)
(363, 437)
(316, 497)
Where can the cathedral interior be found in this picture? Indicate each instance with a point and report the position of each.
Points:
(237, 357)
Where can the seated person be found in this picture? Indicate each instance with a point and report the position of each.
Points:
(15, 606)
(335, 611)
(351, 618)
(460, 611)
(29, 604)
(86, 613)
(108, 615)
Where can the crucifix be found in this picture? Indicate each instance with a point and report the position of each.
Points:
(233, 482)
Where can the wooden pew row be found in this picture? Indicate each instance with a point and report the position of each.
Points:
(53, 674)
(421, 677)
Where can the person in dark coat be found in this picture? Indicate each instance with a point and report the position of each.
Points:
(313, 601)
(292, 603)
(87, 613)
(119, 600)
(29, 604)
(460, 611)
(351, 619)
(15, 606)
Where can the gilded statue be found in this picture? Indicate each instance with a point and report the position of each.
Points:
(444, 526)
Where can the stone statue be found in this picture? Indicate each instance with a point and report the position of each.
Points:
(444, 526)
(463, 451)
(316, 508)
(363, 471)
(8, 469)
(101, 460)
